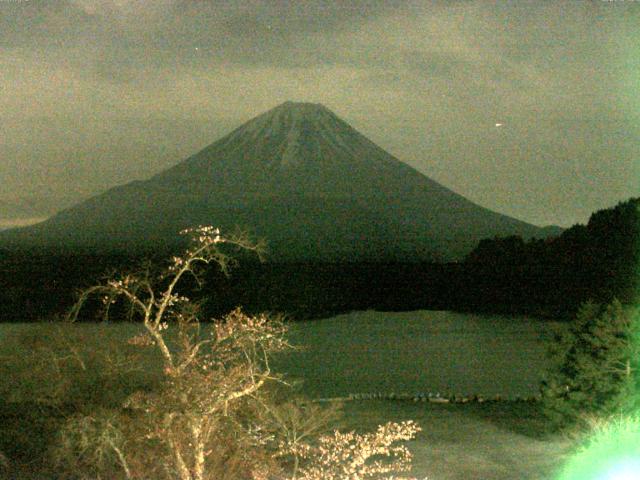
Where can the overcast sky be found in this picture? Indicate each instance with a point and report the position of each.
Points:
(95, 93)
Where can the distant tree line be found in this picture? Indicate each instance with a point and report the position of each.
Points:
(599, 261)
(543, 277)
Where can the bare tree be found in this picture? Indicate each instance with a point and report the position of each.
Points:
(208, 373)
(213, 416)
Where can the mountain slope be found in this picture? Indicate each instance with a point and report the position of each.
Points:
(298, 176)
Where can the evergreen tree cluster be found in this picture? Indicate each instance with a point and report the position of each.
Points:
(597, 361)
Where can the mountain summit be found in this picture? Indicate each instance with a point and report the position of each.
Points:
(300, 148)
(298, 176)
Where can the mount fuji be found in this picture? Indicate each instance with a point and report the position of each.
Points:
(299, 177)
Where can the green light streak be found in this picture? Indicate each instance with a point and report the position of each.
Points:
(612, 453)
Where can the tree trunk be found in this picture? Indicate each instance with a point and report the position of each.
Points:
(198, 451)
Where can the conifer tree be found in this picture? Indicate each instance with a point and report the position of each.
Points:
(596, 365)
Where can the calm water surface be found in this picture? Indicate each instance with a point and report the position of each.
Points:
(422, 351)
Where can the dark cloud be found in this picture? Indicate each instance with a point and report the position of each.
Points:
(42, 23)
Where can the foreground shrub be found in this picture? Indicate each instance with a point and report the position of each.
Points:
(92, 444)
(58, 364)
(214, 414)
(352, 456)
(52, 371)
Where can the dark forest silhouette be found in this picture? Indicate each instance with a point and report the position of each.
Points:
(549, 277)
(598, 261)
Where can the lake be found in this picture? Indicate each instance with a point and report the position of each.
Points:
(419, 351)
(403, 352)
